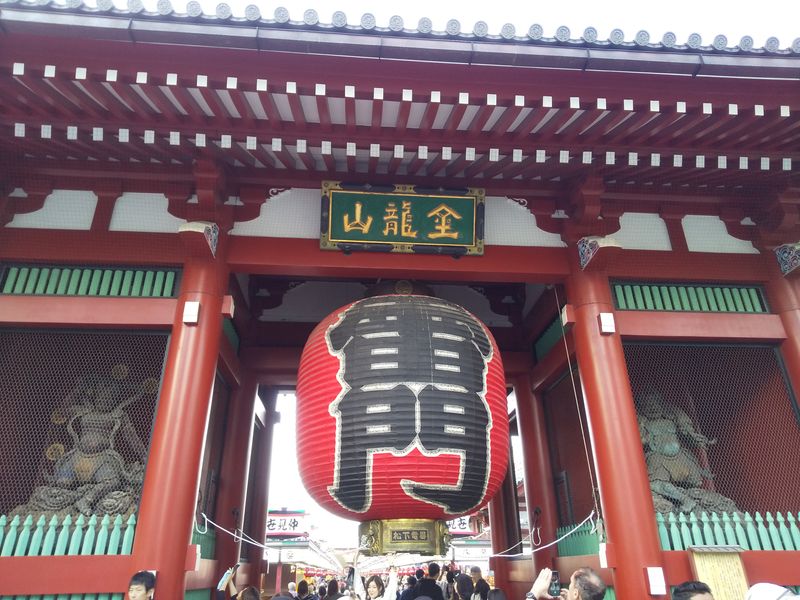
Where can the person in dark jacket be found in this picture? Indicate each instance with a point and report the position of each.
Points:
(408, 592)
(303, 593)
(333, 590)
(481, 586)
(464, 586)
(428, 587)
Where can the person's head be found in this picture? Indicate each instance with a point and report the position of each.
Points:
(374, 587)
(475, 573)
(419, 574)
(433, 570)
(769, 591)
(464, 586)
(249, 593)
(586, 584)
(292, 587)
(692, 590)
(141, 585)
(450, 576)
(323, 590)
(302, 589)
(411, 581)
(333, 588)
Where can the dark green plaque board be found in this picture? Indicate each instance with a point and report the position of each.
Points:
(401, 218)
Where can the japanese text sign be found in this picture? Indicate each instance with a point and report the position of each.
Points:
(400, 219)
(286, 524)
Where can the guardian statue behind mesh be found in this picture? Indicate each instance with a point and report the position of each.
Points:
(92, 476)
(670, 441)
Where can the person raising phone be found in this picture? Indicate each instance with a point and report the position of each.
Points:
(226, 581)
(584, 584)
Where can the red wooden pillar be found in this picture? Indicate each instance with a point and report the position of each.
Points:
(504, 523)
(500, 538)
(784, 299)
(539, 494)
(263, 454)
(619, 459)
(234, 469)
(166, 512)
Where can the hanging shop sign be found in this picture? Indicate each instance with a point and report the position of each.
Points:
(461, 526)
(283, 524)
(401, 405)
(401, 218)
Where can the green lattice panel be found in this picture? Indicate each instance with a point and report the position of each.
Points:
(36, 280)
(688, 297)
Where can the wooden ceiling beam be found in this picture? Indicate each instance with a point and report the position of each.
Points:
(324, 112)
(403, 113)
(38, 99)
(350, 115)
(529, 123)
(134, 100)
(377, 115)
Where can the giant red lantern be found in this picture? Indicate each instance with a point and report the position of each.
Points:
(401, 414)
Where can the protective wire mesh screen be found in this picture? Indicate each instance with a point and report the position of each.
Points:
(572, 473)
(719, 427)
(78, 409)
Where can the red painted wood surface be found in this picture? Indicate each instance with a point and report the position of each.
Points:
(685, 326)
(233, 473)
(65, 574)
(166, 513)
(621, 471)
(538, 479)
(75, 311)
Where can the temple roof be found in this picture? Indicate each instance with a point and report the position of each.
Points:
(280, 20)
(291, 102)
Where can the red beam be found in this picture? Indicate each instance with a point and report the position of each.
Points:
(324, 113)
(635, 324)
(24, 575)
(402, 116)
(81, 311)
(42, 245)
(689, 266)
(350, 115)
(377, 114)
(304, 257)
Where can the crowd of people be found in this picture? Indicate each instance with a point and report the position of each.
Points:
(443, 584)
(586, 584)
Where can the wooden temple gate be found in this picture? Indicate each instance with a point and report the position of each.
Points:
(183, 133)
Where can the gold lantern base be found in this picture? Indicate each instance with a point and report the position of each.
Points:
(422, 536)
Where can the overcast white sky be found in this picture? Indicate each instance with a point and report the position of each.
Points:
(732, 18)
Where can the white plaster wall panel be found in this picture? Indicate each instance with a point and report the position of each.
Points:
(144, 212)
(642, 231)
(294, 213)
(62, 209)
(509, 224)
(709, 234)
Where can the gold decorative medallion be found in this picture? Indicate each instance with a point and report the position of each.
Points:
(424, 536)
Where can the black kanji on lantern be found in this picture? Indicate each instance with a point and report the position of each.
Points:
(414, 375)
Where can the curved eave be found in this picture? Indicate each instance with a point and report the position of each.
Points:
(571, 55)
